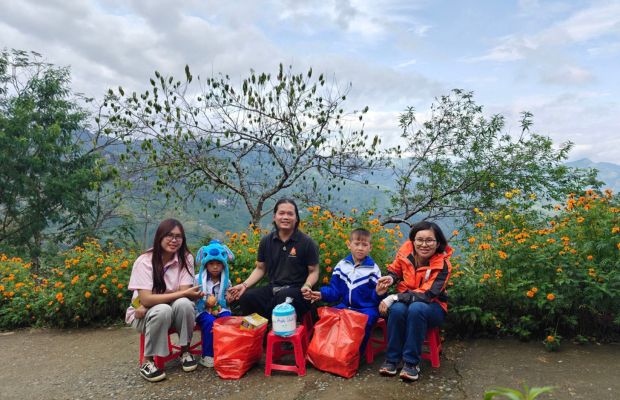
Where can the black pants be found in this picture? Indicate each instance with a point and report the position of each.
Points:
(261, 300)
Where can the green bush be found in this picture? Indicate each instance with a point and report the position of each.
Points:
(89, 287)
(527, 271)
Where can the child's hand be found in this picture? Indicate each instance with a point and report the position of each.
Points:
(316, 296)
(383, 284)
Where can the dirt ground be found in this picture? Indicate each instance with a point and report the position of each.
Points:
(103, 363)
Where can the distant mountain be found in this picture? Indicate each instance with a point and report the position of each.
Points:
(607, 172)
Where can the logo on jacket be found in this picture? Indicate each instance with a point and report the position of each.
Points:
(293, 252)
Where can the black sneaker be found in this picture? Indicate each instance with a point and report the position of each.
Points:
(188, 362)
(388, 368)
(151, 373)
(410, 372)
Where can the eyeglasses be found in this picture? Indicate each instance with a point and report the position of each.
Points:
(428, 242)
(171, 236)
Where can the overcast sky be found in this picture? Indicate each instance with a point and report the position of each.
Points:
(558, 59)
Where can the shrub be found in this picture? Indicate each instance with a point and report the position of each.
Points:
(527, 271)
(88, 287)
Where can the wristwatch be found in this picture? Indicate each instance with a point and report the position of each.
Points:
(395, 297)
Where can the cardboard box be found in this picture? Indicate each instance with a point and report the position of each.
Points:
(253, 321)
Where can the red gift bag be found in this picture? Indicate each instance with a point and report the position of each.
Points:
(235, 350)
(335, 346)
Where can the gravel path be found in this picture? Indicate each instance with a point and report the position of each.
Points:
(102, 363)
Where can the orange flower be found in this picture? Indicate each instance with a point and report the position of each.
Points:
(502, 255)
(60, 297)
(590, 258)
(328, 269)
(550, 339)
(530, 294)
(328, 261)
(535, 289)
(325, 280)
(455, 232)
(486, 276)
(471, 240)
(550, 296)
(87, 294)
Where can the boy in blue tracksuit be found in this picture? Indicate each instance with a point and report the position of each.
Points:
(354, 282)
(214, 282)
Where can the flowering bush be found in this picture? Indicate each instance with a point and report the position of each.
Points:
(89, 287)
(527, 271)
(331, 233)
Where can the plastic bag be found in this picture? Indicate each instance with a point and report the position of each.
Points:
(336, 341)
(235, 350)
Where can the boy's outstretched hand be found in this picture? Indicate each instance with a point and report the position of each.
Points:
(383, 284)
(311, 295)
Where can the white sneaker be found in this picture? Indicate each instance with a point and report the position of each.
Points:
(206, 361)
(188, 362)
(151, 373)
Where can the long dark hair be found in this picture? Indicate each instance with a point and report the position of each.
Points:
(425, 226)
(164, 228)
(285, 200)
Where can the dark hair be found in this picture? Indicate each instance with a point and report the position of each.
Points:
(424, 226)
(360, 232)
(164, 228)
(285, 200)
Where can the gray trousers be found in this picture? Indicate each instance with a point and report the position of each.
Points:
(179, 315)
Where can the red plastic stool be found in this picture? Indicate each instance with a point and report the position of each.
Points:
(433, 342)
(174, 350)
(299, 340)
(376, 345)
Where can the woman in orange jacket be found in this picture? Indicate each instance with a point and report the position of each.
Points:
(421, 271)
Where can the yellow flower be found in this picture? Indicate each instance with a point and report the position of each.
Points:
(580, 219)
(471, 240)
(508, 195)
(615, 229)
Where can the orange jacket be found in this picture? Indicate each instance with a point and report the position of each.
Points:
(422, 283)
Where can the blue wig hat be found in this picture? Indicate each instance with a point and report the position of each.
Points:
(214, 251)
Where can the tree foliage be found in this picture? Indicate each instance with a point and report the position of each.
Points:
(250, 141)
(46, 174)
(459, 160)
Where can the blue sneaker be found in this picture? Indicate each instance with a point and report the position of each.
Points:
(388, 368)
(410, 372)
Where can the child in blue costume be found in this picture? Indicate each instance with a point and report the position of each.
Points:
(213, 279)
(354, 282)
